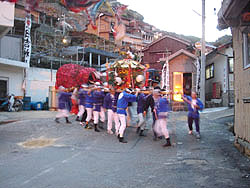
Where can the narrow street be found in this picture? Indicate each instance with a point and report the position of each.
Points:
(39, 153)
(116, 57)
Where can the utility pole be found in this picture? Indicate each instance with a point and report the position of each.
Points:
(203, 57)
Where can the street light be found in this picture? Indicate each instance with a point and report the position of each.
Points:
(64, 40)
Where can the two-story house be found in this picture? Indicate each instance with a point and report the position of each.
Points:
(220, 77)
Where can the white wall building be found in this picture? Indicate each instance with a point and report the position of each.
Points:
(16, 77)
(38, 82)
(12, 69)
(219, 76)
(11, 79)
(36, 85)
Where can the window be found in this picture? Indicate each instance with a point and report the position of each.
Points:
(231, 65)
(246, 50)
(210, 71)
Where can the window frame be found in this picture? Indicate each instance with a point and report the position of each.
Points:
(245, 50)
(229, 70)
(208, 67)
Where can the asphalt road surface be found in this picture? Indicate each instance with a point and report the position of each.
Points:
(40, 153)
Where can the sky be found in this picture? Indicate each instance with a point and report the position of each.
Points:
(179, 16)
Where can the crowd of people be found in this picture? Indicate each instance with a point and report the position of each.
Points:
(93, 102)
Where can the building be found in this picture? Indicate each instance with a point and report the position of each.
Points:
(164, 46)
(134, 42)
(16, 76)
(220, 77)
(142, 30)
(235, 14)
(182, 63)
(138, 34)
(11, 65)
(51, 25)
(182, 73)
(104, 23)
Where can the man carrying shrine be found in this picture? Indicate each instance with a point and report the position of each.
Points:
(124, 98)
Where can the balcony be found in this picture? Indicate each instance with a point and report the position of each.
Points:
(11, 51)
(13, 43)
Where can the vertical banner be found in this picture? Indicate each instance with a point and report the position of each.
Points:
(27, 39)
(167, 76)
(107, 72)
(146, 75)
(163, 74)
(198, 69)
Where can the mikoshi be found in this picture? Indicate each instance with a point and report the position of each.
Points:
(127, 73)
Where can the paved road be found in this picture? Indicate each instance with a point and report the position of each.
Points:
(76, 158)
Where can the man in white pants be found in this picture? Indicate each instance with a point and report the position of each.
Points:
(110, 103)
(124, 98)
(98, 97)
(89, 108)
(161, 112)
(81, 94)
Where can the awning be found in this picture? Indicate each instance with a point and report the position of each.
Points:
(13, 63)
(73, 50)
(101, 52)
(230, 13)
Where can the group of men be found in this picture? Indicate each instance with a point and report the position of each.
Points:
(94, 101)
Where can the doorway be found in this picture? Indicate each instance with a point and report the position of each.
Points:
(187, 83)
(177, 86)
(3, 87)
(182, 84)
